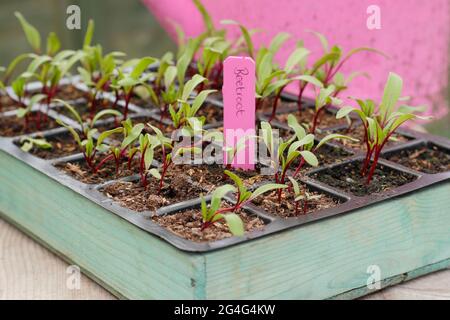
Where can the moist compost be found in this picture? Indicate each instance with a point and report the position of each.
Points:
(425, 159)
(62, 145)
(211, 176)
(347, 177)
(12, 126)
(81, 171)
(187, 224)
(134, 196)
(212, 113)
(288, 208)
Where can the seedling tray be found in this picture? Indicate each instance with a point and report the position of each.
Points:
(321, 255)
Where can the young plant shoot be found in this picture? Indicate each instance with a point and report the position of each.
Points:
(380, 122)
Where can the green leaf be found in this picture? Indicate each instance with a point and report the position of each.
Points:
(267, 135)
(198, 101)
(218, 194)
(294, 125)
(103, 113)
(392, 92)
(155, 173)
(295, 186)
(89, 34)
(106, 134)
(72, 131)
(345, 111)
(334, 136)
(278, 41)
(169, 76)
(323, 40)
(141, 66)
(148, 157)
(53, 44)
(294, 58)
(237, 181)
(31, 33)
(308, 139)
(190, 86)
(235, 224)
(71, 110)
(245, 34)
(266, 188)
(132, 135)
(205, 15)
(16, 61)
(310, 158)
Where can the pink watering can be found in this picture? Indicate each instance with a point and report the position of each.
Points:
(414, 33)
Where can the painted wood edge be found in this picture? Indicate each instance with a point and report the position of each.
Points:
(392, 281)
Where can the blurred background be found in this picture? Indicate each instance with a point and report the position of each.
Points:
(126, 26)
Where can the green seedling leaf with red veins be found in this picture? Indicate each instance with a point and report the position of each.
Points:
(244, 195)
(90, 124)
(31, 33)
(29, 143)
(22, 112)
(212, 212)
(381, 121)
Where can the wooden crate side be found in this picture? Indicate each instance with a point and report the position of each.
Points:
(125, 259)
(407, 236)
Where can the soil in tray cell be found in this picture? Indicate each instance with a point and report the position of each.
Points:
(287, 207)
(211, 176)
(66, 92)
(62, 145)
(12, 126)
(428, 159)
(81, 171)
(187, 224)
(134, 196)
(70, 92)
(347, 177)
(212, 113)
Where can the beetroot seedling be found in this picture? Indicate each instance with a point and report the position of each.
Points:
(380, 122)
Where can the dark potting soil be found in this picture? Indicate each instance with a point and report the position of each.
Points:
(212, 113)
(81, 171)
(187, 224)
(430, 159)
(289, 208)
(143, 103)
(67, 92)
(358, 133)
(266, 105)
(62, 145)
(211, 176)
(13, 126)
(70, 92)
(348, 178)
(134, 196)
(326, 119)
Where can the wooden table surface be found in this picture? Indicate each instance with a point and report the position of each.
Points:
(30, 271)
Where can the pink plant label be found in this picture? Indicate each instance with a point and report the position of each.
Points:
(239, 111)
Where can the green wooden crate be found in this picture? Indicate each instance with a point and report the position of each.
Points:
(405, 237)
